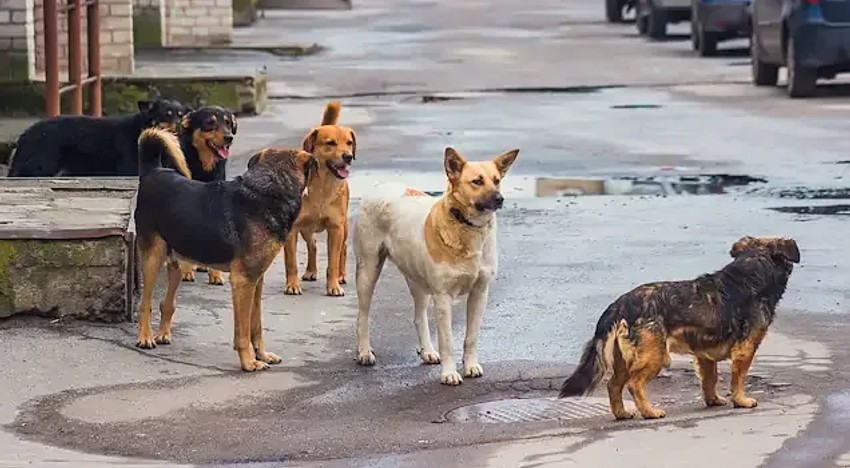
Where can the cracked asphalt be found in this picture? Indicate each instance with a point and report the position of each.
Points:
(579, 98)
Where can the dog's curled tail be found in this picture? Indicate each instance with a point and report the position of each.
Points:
(331, 114)
(156, 144)
(597, 357)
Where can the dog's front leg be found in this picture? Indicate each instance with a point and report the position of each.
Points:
(335, 241)
(743, 354)
(257, 328)
(448, 371)
(293, 286)
(475, 305)
(244, 290)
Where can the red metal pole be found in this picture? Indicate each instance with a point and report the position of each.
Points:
(93, 14)
(75, 55)
(51, 57)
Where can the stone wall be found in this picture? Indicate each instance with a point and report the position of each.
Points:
(17, 33)
(198, 23)
(116, 39)
(147, 24)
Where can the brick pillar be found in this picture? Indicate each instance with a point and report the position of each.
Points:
(147, 24)
(197, 23)
(17, 35)
(116, 38)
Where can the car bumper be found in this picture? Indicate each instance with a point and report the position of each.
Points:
(725, 17)
(820, 44)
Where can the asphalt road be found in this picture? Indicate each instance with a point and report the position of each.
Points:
(79, 394)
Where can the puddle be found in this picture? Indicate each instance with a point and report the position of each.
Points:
(536, 186)
(803, 193)
(636, 106)
(824, 210)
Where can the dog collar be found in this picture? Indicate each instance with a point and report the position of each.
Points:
(462, 219)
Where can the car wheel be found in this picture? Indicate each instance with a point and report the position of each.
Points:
(656, 23)
(641, 20)
(707, 43)
(764, 74)
(614, 11)
(802, 81)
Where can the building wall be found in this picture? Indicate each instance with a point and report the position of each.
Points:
(197, 23)
(17, 34)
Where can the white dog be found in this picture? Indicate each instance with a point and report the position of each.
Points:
(445, 248)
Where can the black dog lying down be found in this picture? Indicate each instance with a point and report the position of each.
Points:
(718, 316)
(76, 145)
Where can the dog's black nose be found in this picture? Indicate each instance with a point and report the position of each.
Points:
(228, 139)
(498, 200)
(348, 157)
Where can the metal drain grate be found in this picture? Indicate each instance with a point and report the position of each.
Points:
(529, 410)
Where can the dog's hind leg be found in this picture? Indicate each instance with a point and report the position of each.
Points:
(257, 328)
(169, 304)
(617, 383)
(152, 252)
(646, 362)
(312, 263)
(370, 262)
(421, 300)
(706, 369)
(187, 271)
(215, 277)
(343, 255)
(743, 354)
(475, 305)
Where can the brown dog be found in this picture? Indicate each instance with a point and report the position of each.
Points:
(325, 205)
(718, 316)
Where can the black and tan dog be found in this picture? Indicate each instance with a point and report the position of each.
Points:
(205, 138)
(79, 145)
(717, 316)
(237, 226)
(325, 206)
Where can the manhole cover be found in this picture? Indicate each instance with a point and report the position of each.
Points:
(529, 410)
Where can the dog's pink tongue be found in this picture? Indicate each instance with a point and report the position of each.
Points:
(223, 152)
(343, 172)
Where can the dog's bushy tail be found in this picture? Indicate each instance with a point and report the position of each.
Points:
(331, 114)
(157, 145)
(594, 360)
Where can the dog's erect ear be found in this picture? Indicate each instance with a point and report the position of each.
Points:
(453, 163)
(787, 248)
(308, 144)
(255, 159)
(740, 246)
(504, 161)
(145, 106)
(233, 124)
(354, 144)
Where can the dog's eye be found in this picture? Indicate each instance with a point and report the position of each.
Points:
(168, 113)
(330, 143)
(479, 182)
(349, 143)
(496, 181)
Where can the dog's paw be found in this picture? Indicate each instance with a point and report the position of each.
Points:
(451, 378)
(215, 277)
(366, 358)
(473, 371)
(251, 366)
(342, 280)
(745, 402)
(188, 276)
(716, 401)
(654, 413)
(428, 356)
(268, 358)
(145, 341)
(162, 338)
(335, 291)
(202, 269)
(292, 289)
(623, 415)
(309, 276)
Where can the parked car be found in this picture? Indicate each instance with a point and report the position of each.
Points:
(810, 38)
(713, 21)
(614, 9)
(652, 16)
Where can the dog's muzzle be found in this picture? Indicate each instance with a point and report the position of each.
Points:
(492, 203)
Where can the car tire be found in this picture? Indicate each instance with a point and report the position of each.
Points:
(707, 42)
(614, 11)
(764, 74)
(656, 23)
(641, 20)
(802, 81)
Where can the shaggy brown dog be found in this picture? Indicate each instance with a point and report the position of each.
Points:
(718, 316)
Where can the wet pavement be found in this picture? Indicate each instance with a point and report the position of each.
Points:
(419, 75)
